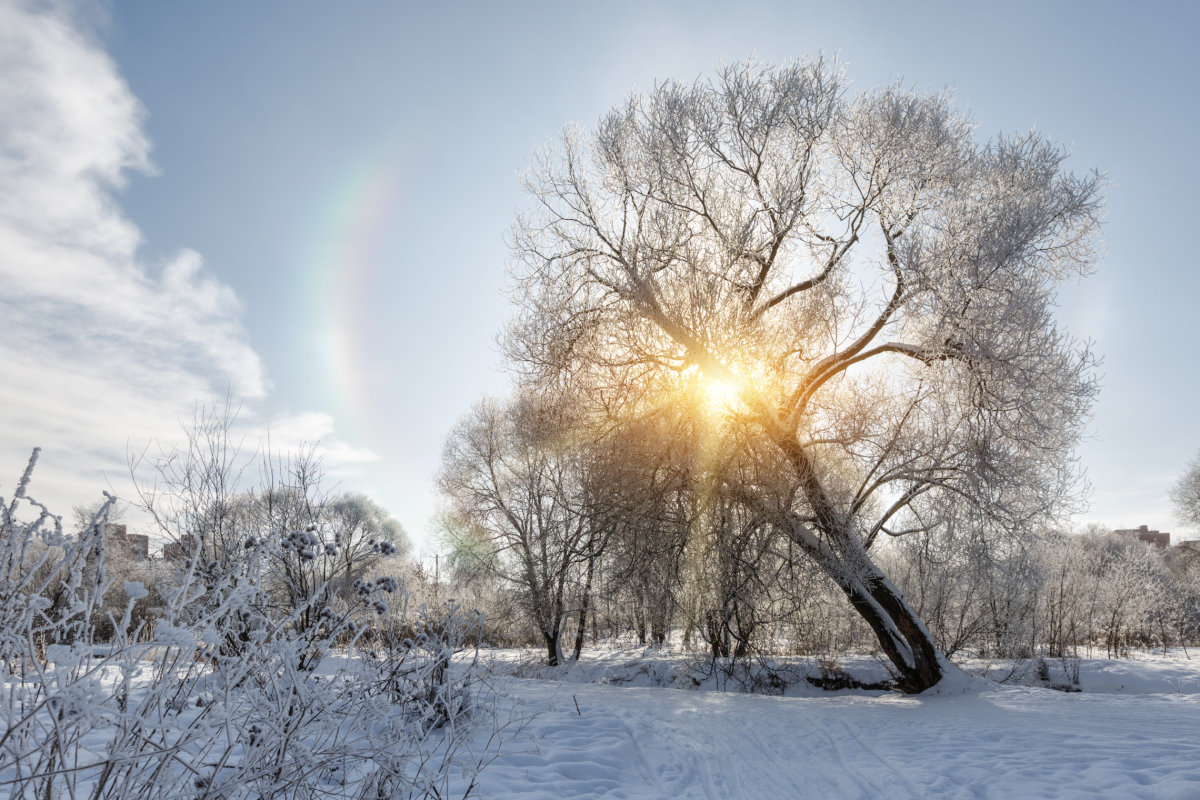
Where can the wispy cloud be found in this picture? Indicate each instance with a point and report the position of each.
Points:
(98, 350)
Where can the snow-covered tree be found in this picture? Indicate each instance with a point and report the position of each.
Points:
(1186, 494)
(644, 576)
(516, 490)
(855, 277)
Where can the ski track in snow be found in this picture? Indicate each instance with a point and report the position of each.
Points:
(997, 742)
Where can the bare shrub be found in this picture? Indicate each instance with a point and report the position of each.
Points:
(298, 711)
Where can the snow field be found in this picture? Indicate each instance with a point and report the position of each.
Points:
(981, 741)
(611, 727)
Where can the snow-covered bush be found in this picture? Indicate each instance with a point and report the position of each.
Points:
(50, 583)
(411, 658)
(231, 696)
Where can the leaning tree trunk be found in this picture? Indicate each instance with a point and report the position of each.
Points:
(901, 633)
(838, 551)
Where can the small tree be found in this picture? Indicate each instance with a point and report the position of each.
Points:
(857, 278)
(508, 478)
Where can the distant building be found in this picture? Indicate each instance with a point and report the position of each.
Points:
(1191, 544)
(132, 545)
(180, 550)
(1153, 538)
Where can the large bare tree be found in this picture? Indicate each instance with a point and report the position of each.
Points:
(856, 277)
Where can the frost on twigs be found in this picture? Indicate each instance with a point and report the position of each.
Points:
(234, 685)
(411, 662)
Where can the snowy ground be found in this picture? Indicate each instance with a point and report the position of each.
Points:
(1134, 731)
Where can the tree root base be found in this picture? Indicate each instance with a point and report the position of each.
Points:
(836, 680)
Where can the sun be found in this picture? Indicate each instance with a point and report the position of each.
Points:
(721, 396)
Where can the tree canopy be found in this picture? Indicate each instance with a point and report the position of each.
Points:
(855, 278)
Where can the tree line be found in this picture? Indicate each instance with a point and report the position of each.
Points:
(641, 536)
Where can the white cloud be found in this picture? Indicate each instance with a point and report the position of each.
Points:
(290, 434)
(70, 130)
(98, 350)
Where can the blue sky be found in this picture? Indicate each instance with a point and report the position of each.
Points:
(307, 203)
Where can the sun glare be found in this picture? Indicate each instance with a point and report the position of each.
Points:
(721, 396)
